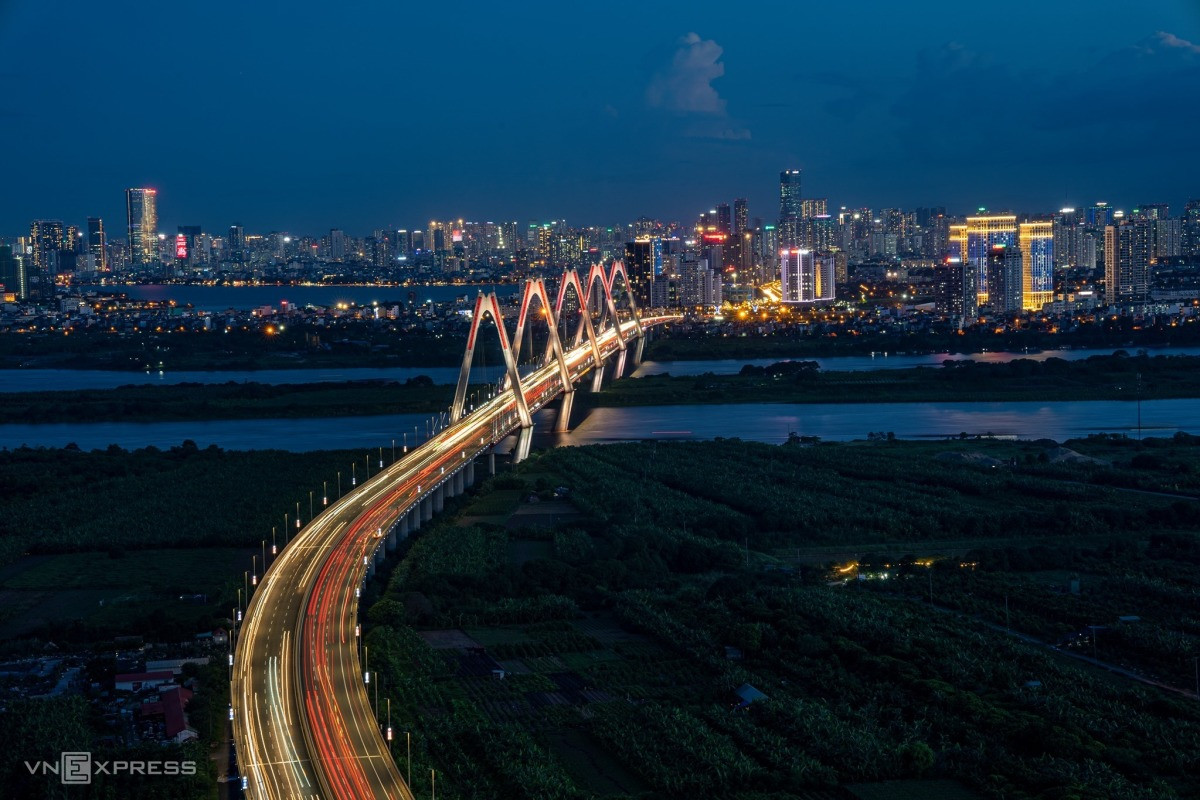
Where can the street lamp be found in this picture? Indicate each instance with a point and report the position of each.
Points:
(297, 515)
(354, 474)
(324, 493)
(274, 548)
(254, 570)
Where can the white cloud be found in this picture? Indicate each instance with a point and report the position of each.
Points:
(686, 85)
(1171, 40)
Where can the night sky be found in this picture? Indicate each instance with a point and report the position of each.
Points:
(302, 116)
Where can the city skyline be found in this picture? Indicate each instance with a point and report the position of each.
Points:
(600, 121)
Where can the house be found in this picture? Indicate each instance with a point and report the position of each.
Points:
(137, 681)
(746, 694)
(170, 707)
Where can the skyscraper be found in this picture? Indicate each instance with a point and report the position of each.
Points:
(789, 208)
(12, 273)
(643, 263)
(1037, 264)
(805, 277)
(1005, 282)
(1127, 253)
(97, 245)
(237, 242)
(47, 238)
(983, 233)
(141, 211)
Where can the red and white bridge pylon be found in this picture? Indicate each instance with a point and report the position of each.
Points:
(588, 298)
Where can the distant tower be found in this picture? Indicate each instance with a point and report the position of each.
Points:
(789, 208)
(1127, 253)
(141, 210)
(805, 277)
(97, 244)
(1037, 264)
(237, 242)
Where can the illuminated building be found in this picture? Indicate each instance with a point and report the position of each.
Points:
(12, 273)
(643, 263)
(47, 238)
(1190, 243)
(789, 208)
(1037, 264)
(141, 212)
(1005, 279)
(1127, 254)
(237, 242)
(97, 245)
(983, 233)
(805, 277)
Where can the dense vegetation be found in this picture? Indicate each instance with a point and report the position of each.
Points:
(195, 401)
(54, 501)
(744, 341)
(1116, 377)
(615, 626)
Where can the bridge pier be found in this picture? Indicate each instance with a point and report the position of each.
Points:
(414, 517)
(380, 552)
(426, 508)
(459, 488)
(470, 476)
(492, 461)
(521, 450)
(439, 498)
(619, 372)
(641, 347)
(563, 423)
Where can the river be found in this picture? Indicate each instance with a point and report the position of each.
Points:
(42, 380)
(755, 421)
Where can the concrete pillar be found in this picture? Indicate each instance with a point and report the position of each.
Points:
(598, 377)
(459, 488)
(391, 538)
(426, 508)
(492, 461)
(563, 423)
(620, 370)
(439, 498)
(371, 568)
(470, 470)
(380, 552)
(524, 440)
(414, 517)
(637, 354)
(403, 524)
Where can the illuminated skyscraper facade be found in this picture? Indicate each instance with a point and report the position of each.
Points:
(141, 211)
(643, 263)
(1127, 254)
(97, 245)
(1037, 264)
(983, 233)
(805, 277)
(789, 208)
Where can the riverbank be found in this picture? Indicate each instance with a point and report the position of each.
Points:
(796, 382)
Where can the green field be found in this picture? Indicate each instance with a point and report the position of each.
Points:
(613, 627)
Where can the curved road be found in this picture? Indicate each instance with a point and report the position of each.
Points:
(303, 722)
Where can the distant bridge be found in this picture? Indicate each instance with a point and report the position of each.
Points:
(304, 721)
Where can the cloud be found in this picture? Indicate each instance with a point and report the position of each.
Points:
(684, 88)
(686, 84)
(1171, 40)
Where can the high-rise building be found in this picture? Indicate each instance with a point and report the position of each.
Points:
(983, 233)
(1037, 264)
(805, 276)
(1152, 211)
(1190, 243)
(1168, 239)
(237, 242)
(643, 263)
(97, 245)
(47, 237)
(12, 273)
(724, 219)
(141, 211)
(337, 245)
(789, 208)
(1005, 279)
(814, 207)
(1127, 253)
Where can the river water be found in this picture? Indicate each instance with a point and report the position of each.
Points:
(763, 422)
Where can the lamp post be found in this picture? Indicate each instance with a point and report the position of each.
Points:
(274, 547)
(254, 570)
(324, 493)
(297, 515)
(310, 506)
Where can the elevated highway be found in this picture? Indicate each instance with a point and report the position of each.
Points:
(303, 721)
